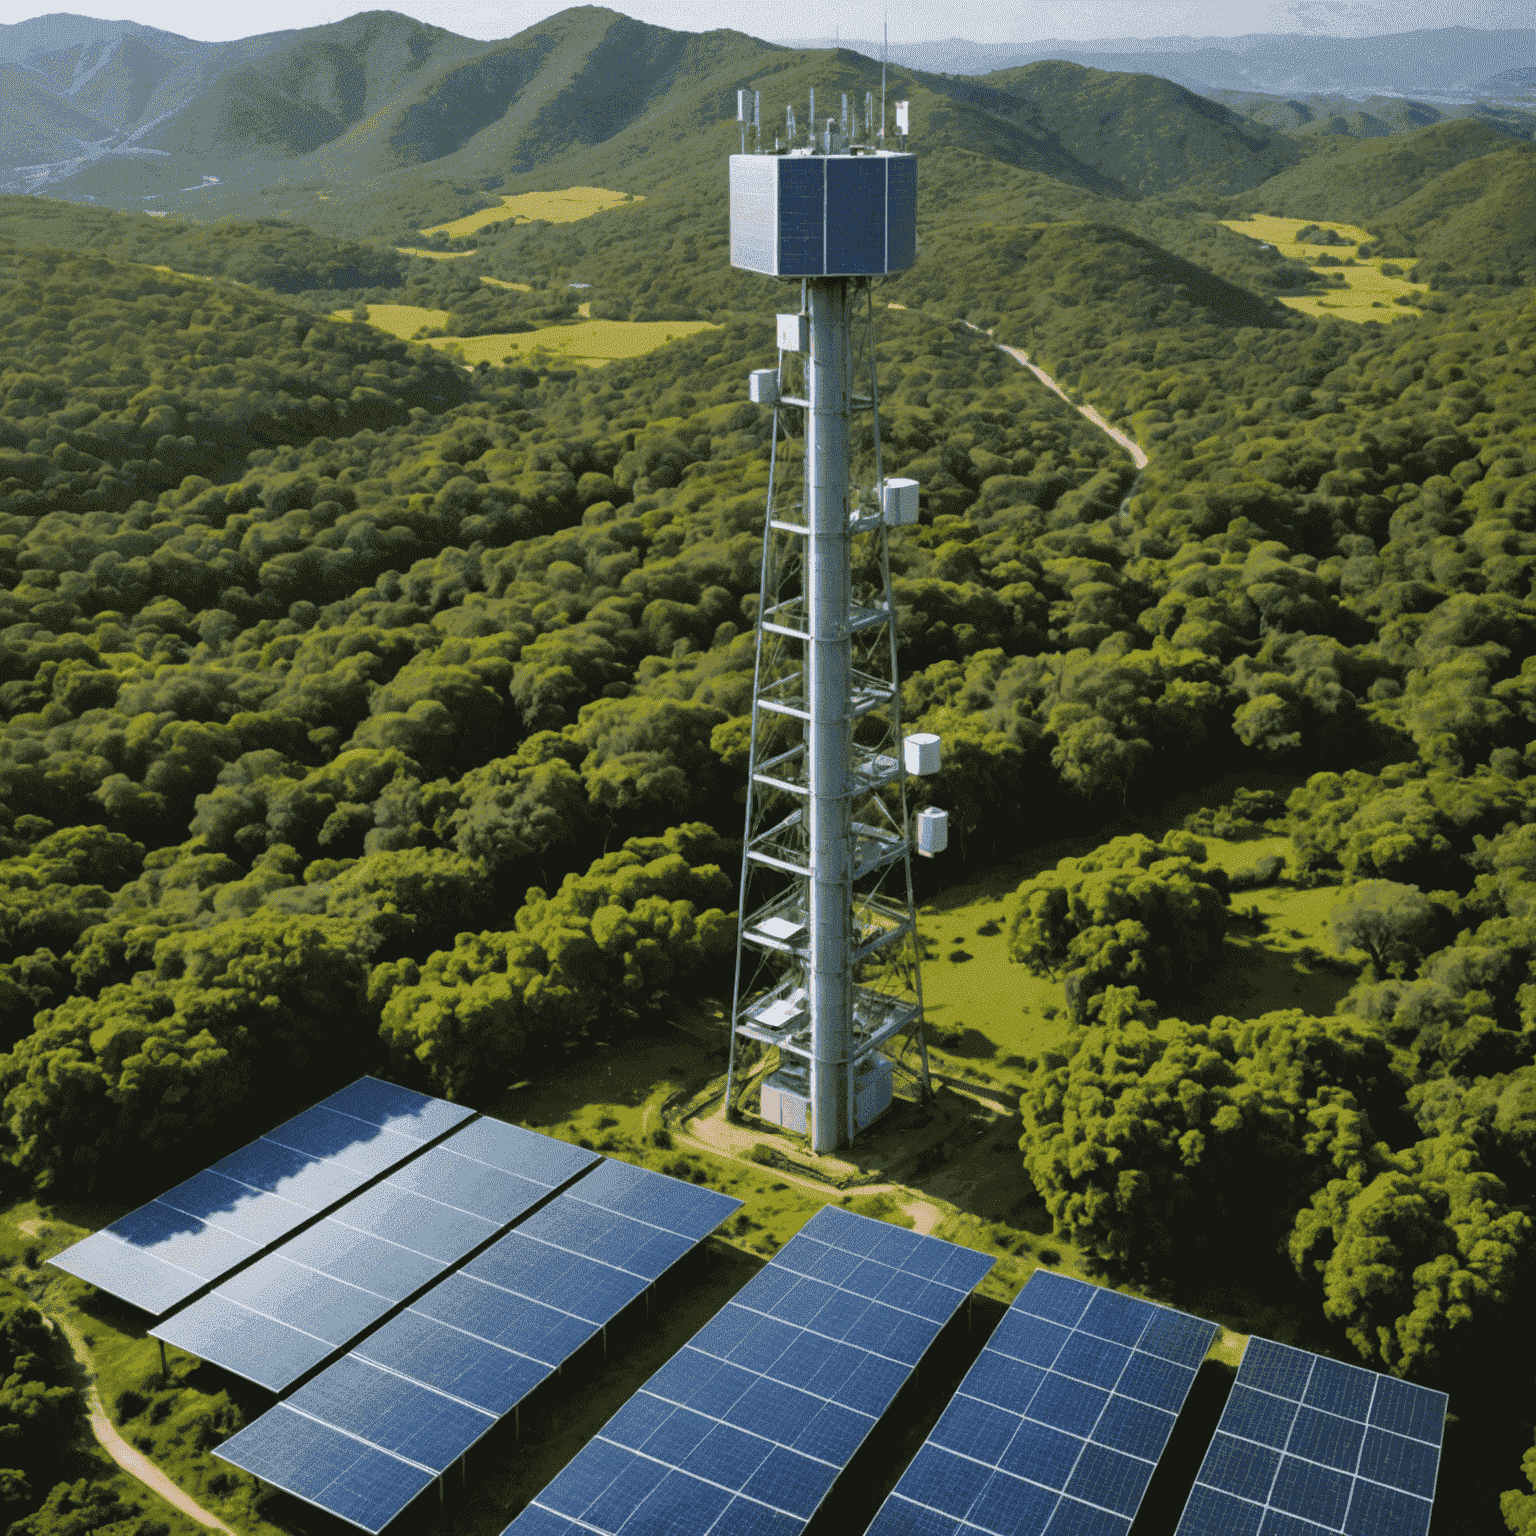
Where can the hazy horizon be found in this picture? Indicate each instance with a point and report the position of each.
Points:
(1079, 22)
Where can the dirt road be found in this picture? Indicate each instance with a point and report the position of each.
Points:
(133, 1462)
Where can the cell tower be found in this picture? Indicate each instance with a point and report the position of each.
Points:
(828, 971)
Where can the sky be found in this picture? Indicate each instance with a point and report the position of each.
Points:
(1008, 21)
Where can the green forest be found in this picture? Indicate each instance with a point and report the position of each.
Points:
(364, 712)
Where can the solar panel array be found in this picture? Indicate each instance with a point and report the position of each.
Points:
(367, 1434)
(1308, 1445)
(207, 1227)
(746, 1427)
(1058, 1426)
(280, 1317)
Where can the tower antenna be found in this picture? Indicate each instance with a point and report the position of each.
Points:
(885, 48)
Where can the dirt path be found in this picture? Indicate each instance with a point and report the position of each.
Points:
(716, 1135)
(1138, 458)
(133, 1462)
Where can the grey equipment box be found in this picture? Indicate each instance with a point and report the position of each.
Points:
(802, 215)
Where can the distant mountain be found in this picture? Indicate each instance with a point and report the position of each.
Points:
(1374, 117)
(1440, 61)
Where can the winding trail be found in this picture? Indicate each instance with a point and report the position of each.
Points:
(134, 1462)
(1138, 457)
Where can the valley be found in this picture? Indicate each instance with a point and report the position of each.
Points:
(378, 644)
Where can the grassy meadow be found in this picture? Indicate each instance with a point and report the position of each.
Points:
(1368, 293)
(565, 206)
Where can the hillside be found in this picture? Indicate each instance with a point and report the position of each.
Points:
(1358, 181)
(1374, 117)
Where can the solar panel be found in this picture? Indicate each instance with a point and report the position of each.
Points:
(435, 1378)
(1306, 1442)
(1060, 1423)
(287, 1312)
(745, 1429)
(211, 1224)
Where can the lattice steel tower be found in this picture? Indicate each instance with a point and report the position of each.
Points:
(828, 957)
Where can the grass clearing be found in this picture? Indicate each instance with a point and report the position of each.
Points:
(416, 250)
(1368, 292)
(501, 282)
(563, 207)
(582, 341)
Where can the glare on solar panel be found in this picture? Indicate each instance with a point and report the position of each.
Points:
(745, 1429)
(1307, 1439)
(1059, 1424)
(316, 1292)
(211, 1224)
(434, 1378)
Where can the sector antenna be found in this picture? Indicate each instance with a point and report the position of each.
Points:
(828, 976)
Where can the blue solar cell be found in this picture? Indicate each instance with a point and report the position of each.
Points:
(1055, 1297)
(392, 1413)
(323, 1133)
(675, 1438)
(1400, 1462)
(833, 1433)
(514, 1149)
(467, 1185)
(944, 1481)
(532, 1328)
(819, 1365)
(1158, 1382)
(897, 1335)
(901, 1517)
(361, 1259)
(413, 1221)
(791, 1482)
(963, 1269)
(1259, 1416)
(1378, 1511)
(1277, 1368)
(1278, 1523)
(1346, 1390)
(312, 1183)
(182, 1240)
(725, 1455)
(584, 1478)
(364, 1486)
(135, 1275)
(1210, 1512)
(1122, 1319)
(253, 1214)
(1009, 1504)
(1134, 1428)
(1110, 1479)
(974, 1429)
(1237, 1466)
(871, 1387)
(1025, 1337)
(1071, 1405)
(678, 1505)
(1041, 1454)
(770, 1407)
(856, 215)
(1316, 1493)
(1092, 1360)
(402, 1111)
(743, 1517)
(314, 1303)
(1326, 1438)
(1409, 1410)
(261, 1349)
(608, 1236)
(481, 1372)
(1178, 1337)
(685, 1209)
(1070, 1518)
(640, 1418)
(996, 1379)
(747, 1340)
(543, 1522)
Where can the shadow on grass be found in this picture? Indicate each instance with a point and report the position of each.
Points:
(1253, 977)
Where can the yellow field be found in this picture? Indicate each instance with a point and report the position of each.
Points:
(415, 250)
(588, 341)
(553, 207)
(1368, 293)
(402, 320)
(501, 282)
